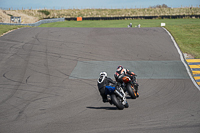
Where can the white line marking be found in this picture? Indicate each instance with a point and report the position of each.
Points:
(182, 59)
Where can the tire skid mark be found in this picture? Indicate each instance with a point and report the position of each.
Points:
(35, 71)
(66, 43)
(21, 111)
(33, 99)
(4, 75)
(10, 41)
(58, 55)
(39, 92)
(14, 90)
(9, 52)
(63, 56)
(82, 80)
(27, 79)
(13, 107)
(20, 81)
(44, 88)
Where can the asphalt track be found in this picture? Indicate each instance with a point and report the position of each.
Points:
(48, 82)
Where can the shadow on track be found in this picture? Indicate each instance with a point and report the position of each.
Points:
(106, 108)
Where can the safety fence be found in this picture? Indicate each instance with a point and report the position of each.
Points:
(136, 17)
(37, 23)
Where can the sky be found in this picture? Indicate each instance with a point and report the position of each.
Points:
(82, 4)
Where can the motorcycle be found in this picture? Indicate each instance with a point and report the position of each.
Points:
(129, 85)
(118, 97)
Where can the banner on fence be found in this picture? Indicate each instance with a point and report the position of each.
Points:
(79, 19)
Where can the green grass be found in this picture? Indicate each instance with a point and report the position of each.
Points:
(122, 23)
(185, 31)
(187, 37)
(6, 28)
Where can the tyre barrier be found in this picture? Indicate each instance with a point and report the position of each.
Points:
(136, 17)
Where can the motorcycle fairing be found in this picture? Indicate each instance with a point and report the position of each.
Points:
(109, 89)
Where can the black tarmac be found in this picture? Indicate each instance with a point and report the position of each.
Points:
(48, 79)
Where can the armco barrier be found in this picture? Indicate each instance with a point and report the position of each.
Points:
(38, 23)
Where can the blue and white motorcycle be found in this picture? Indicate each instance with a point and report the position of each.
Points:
(117, 96)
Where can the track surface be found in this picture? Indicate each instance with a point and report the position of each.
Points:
(40, 94)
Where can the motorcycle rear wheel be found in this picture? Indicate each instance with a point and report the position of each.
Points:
(116, 102)
(131, 91)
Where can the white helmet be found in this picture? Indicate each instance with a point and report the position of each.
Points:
(104, 74)
(102, 77)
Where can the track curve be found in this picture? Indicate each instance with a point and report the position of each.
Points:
(48, 82)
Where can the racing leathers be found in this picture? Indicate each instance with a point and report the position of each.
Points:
(121, 72)
(102, 83)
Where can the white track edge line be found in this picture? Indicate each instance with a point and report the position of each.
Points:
(182, 59)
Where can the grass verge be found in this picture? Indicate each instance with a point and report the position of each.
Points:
(6, 28)
(187, 37)
(122, 23)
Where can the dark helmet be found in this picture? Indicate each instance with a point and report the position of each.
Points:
(119, 68)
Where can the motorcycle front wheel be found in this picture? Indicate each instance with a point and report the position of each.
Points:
(126, 105)
(116, 101)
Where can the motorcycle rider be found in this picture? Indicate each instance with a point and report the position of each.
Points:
(121, 72)
(102, 82)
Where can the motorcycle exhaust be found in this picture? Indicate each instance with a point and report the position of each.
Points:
(121, 96)
(118, 93)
